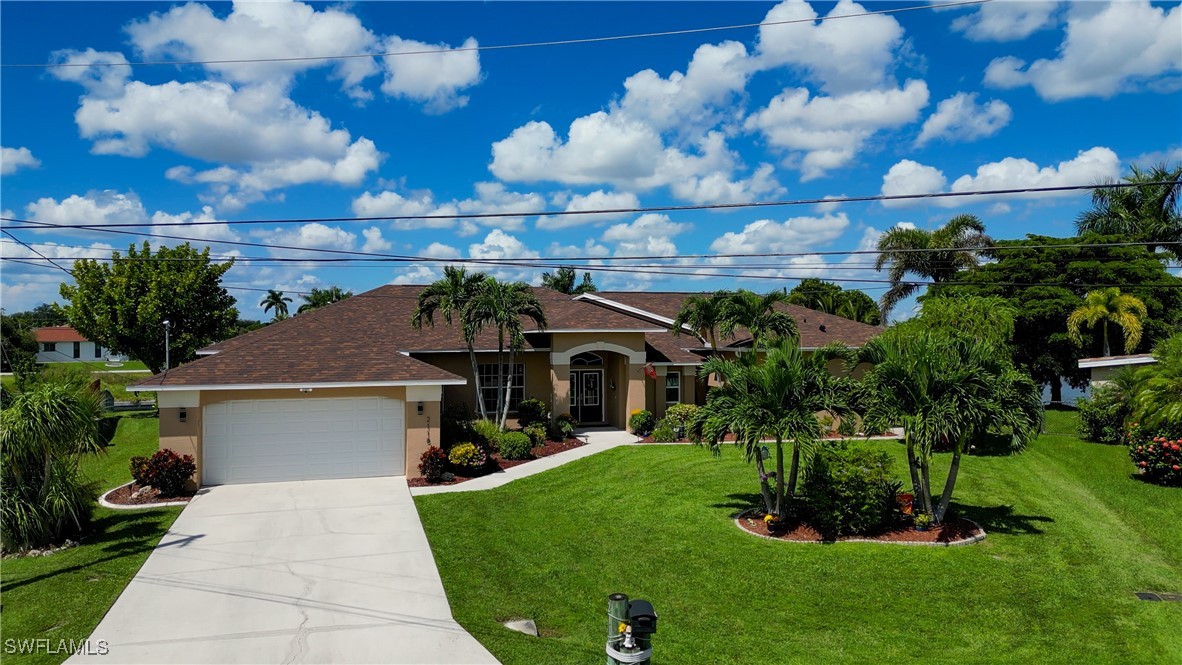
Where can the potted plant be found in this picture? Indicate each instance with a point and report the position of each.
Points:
(923, 521)
(775, 525)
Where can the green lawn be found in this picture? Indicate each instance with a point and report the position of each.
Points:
(102, 366)
(64, 596)
(1071, 537)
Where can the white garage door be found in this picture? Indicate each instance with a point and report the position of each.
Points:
(250, 441)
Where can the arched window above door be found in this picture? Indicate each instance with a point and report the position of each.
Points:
(586, 360)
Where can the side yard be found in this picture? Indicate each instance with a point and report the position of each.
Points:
(1071, 538)
(63, 596)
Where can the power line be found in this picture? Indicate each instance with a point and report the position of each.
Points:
(603, 211)
(51, 261)
(494, 47)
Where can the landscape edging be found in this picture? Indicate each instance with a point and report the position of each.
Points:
(965, 541)
(143, 506)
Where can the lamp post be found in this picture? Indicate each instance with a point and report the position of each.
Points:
(167, 364)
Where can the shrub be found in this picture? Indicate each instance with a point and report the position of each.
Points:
(532, 410)
(165, 470)
(1157, 453)
(487, 435)
(536, 433)
(433, 464)
(680, 415)
(850, 490)
(1102, 417)
(563, 427)
(516, 445)
(642, 422)
(467, 456)
(848, 427)
(826, 423)
(455, 425)
(663, 431)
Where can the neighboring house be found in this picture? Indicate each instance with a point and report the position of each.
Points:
(1105, 369)
(351, 389)
(63, 344)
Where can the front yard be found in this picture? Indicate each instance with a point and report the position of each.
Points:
(63, 596)
(1071, 538)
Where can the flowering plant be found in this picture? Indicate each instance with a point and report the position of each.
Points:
(1156, 454)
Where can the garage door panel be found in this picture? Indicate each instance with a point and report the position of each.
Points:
(302, 439)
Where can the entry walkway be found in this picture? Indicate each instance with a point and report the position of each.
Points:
(598, 440)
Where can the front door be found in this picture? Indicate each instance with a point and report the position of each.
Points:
(586, 395)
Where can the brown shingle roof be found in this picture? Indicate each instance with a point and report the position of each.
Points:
(672, 349)
(363, 338)
(51, 334)
(809, 321)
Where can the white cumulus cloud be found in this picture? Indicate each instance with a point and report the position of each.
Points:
(961, 118)
(95, 207)
(650, 234)
(910, 177)
(1006, 20)
(102, 73)
(1107, 49)
(434, 75)
(791, 235)
(596, 200)
(14, 159)
(1087, 168)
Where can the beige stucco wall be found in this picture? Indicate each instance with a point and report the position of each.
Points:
(185, 438)
(538, 382)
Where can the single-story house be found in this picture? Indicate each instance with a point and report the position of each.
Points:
(352, 389)
(63, 344)
(1104, 369)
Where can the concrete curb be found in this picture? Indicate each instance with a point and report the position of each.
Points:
(956, 543)
(117, 506)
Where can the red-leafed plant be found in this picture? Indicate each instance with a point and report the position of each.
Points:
(1156, 454)
(165, 470)
(433, 464)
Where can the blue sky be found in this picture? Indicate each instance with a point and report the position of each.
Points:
(1008, 94)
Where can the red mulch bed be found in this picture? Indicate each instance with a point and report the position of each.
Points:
(500, 464)
(731, 437)
(954, 530)
(126, 496)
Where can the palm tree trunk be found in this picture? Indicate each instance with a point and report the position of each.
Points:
(764, 489)
(500, 368)
(476, 378)
(926, 485)
(1107, 351)
(794, 471)
(508, 386)
(912, 462)
(949, 483)
(779, 478)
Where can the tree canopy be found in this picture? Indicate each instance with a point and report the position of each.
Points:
(832, 299)
(1147, 213)
(320, 297)
(934, 255)
(1045, 280)
(123, 304)
(564, 279)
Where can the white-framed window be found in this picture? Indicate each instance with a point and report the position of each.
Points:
(48, 347)
(673, 388)
(489, 386)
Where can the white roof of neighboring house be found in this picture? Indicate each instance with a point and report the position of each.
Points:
(1117, 361)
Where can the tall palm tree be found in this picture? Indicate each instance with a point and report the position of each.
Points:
(449, 296)
(44, 431)
(1109, 306)
(502, 305)
(703, 315)
(936, 255)
(1158, 397)
(859, 309)
(321, 297)
(945, 388)
(563, 281)
(775, 398)
(1148, 212)
(758, 314)
(277, 301)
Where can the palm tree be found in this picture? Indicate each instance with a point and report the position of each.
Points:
(1109, 306)
(703, 315)
(945, 388)
(449, 296)
(936, 255)
(775, 398)
(1158, 398)
(45, 431)
(321, 297)
(1148, 212)
(758, 314)
(502, 305)
(860, 309)
(563, 281)
(277, 301)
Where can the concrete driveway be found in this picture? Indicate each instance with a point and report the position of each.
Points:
(329, 571)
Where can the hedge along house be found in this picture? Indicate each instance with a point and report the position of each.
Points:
(352, 389)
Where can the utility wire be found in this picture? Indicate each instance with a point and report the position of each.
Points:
(51, 261)
(493, 47)
(609, 211)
